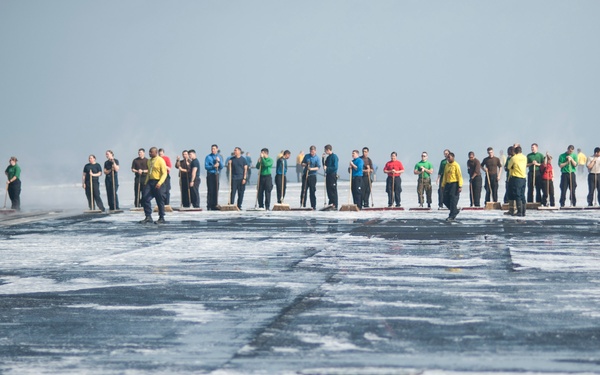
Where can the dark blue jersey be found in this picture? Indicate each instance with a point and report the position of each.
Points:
(332, 164)
(281, 166)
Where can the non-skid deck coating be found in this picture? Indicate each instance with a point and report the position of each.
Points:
(300, 292)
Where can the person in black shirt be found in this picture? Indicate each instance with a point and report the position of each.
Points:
(111, 170)
(91, 172)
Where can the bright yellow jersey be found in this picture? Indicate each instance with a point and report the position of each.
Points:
(452, 173)
(157, 170)
(581, 158)
(517, 166)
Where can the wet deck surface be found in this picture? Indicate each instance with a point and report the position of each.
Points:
(300, 292)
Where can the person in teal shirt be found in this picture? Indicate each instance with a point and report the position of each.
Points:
(424, 170)
(13, 185)
(265, 181)
(568, 166)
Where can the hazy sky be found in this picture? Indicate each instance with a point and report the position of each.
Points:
(79, 77)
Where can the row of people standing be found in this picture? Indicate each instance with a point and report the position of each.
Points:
(537, 174)
(360, 169)
(238, 173)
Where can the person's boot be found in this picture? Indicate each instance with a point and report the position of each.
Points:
(520, 208)
(511, 208)
(147, 220)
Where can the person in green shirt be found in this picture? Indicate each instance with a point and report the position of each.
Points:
(568, 166)
(265, 181)
(13, 185)
(534, 177)
(424, 170)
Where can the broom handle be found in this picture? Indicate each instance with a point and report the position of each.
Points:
(393, 189)
(350, 192)
(92, 191)
(6, 193)
(258, 184)
(114, 189)
(230, 184)
(282, 180)
(487, 175)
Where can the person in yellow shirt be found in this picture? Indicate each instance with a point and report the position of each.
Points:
(452, 185)
(154, 188)
(581, 161)
(517, 171)
(299, 167)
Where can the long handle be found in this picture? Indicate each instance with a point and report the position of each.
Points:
(92, 191)
(472, 196)
(257, 184)
(282, 181)
(5, 194)
(305, 188)
(571, 187)
(533, 187)
(189, 191)
(393, 189)
(371, 188)
(350, 192)
(230, 185)
(114, 189)
(487, 175)
(137, 198)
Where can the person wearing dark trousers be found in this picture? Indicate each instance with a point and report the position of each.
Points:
(474, 170)
(517, 171)
(154, 187)
(440, 178)
(393, 184)
(265, 181)
(167, 184)
(311, 164)
(593, 166)
(356, 168)
(568, 177)
(213, 165)
(547, 181)
(13, 175)
(366, 177)
(493, 172)
(331, 176)
(510, 151)
(452, 184)
(280, 175)
(534, 177)
(184, 178)
(90, 181)
(194, 184)
(111, 170)
(238, 167)
(139, 168)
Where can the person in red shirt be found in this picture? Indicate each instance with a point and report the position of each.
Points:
(393, 185)
(547, 181)
(167, 197)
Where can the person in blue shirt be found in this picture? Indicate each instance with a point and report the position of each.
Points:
(213, 165)
(356, 167)
(331, 168)
(311, 164)
(280, 175)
